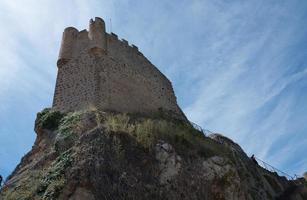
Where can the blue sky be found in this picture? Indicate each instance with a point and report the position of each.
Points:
(238, 67)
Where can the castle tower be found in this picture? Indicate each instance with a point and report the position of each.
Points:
(96, 69)
(97, 35)
(67, 45)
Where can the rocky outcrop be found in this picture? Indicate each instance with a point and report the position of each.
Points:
(169, 161)
(97, 155)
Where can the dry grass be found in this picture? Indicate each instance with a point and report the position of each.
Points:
(147, 132)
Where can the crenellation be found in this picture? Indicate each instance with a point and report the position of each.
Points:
(125, 42)
(71, 29)
(100, 20)
(67, 45)
(113, 35)
(119, 79)
(83, 34)
(97, 34)
(134, 47)
(82, 42)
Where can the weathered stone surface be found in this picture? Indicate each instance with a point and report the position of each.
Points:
(169, 161)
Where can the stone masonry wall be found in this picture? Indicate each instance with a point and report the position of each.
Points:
(76, 87)
(119, 78)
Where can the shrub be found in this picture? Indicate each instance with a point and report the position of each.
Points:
(49, 119)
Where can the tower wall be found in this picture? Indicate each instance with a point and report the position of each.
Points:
(121, 79)
(82, 43)
(67, 45)
(76, 85)
(97, 34)
(148, 88)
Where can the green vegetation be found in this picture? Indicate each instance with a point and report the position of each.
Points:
(54, 180)
(66, 135)
(65, 124)
(119, 122)
(148, 132)
(69, 122)
(49, 119)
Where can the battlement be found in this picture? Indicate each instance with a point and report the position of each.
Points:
(97, 69)
(74, 41)
(96, 40)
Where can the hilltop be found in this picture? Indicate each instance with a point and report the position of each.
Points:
(106, 155)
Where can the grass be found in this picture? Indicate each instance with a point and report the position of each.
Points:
(118, 122)
(148, 132)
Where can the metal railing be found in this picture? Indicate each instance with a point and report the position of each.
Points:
(199, 128)
(260, 162)
(275, 170)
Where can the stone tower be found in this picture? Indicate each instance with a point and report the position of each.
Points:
(96, 69)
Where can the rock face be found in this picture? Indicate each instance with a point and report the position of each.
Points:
(97, 155)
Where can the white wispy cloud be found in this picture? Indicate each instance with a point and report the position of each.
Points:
(250, 59)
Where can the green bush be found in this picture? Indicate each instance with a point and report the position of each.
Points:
(49, 119)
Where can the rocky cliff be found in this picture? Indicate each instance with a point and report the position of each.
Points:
(101, 155)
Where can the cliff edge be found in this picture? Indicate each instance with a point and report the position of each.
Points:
(105, 155)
